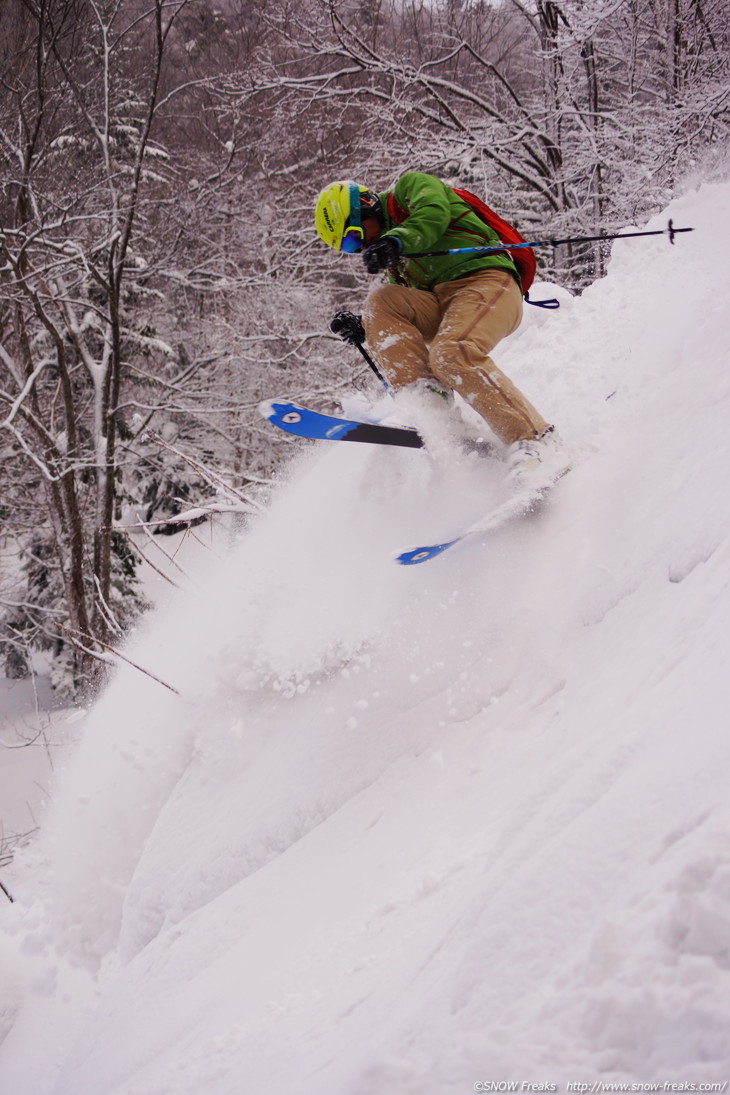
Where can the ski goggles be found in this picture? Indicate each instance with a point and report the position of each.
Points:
(352, 240)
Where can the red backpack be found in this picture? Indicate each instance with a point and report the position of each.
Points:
(523, 258)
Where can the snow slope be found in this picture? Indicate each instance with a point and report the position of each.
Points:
(418, 829)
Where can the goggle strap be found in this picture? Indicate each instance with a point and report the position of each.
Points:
(354, 219)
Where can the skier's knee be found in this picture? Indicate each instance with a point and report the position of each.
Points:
(379, 301)
(445, 369)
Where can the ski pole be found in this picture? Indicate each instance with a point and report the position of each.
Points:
(374, 367)
(670, 231)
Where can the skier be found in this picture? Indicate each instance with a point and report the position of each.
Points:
(438, 318)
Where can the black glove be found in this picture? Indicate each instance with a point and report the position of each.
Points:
(348, 327)
(382, 255)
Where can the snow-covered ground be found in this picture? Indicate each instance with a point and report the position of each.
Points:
(416, 830)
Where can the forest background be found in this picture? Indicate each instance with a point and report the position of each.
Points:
(159, 272)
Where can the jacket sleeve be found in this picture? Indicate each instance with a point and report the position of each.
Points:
(427, 200)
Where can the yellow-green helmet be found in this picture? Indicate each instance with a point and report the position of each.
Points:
(339, 212)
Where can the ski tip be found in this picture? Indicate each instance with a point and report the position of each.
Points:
(273, 408)
(285, 415)
(422, 554)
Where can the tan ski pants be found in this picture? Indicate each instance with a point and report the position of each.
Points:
(447, 335)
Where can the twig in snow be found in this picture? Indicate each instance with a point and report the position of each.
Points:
(138, 549)
(210, 477)
(109, 661)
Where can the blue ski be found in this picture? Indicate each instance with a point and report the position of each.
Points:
(518, 505)
(302, 422)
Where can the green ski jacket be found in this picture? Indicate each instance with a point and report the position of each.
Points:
(438, 220)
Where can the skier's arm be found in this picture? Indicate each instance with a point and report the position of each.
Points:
(427, 200)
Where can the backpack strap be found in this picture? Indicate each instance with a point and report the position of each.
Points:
(550, 304)
(396, 212)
